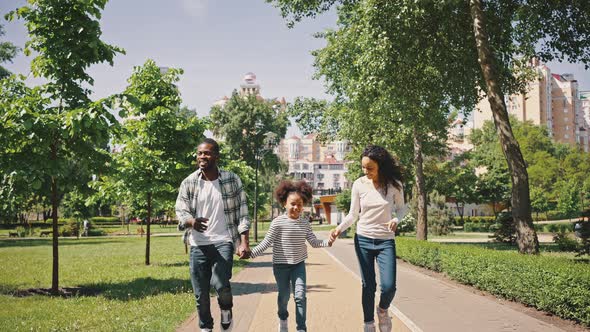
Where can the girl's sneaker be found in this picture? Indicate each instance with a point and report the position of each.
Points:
(384, 320)
(283, 325)
(369, 327)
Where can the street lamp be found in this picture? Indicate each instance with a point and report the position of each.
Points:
(268, 143)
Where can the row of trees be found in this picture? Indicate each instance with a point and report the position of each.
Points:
(64, 150)
(397, 69)
(558, 173)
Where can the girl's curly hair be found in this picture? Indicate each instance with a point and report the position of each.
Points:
(390, 171)
(287, 187)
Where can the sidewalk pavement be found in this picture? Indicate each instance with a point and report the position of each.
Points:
(422, 302)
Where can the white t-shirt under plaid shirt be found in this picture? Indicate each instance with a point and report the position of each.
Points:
(287, 237)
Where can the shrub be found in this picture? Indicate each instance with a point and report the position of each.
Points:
(407, 224)
(553, 284)
(71, 228)
(506, 231)
(105, 220)
(564, 243)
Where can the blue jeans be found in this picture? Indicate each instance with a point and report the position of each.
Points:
(211, 265)
(291, 276)
(383, 251)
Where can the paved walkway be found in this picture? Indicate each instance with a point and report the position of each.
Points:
(422, 303)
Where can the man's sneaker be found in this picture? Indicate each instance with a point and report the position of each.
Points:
(369, 327)
(384, 320)
(283, 325)
(226, 319)
(206, 330)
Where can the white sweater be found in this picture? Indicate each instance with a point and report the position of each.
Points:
(373, 209)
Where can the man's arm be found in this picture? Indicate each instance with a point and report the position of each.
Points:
(244, 222)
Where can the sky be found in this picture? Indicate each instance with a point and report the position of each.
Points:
(215, 42)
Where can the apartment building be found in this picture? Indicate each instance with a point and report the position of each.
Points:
(321, 165)
(551, 100)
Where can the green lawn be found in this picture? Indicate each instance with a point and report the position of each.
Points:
(123, 294)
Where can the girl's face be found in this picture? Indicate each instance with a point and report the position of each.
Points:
(294, 205)
(370, 168)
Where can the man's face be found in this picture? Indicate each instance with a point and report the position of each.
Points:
(206, 157)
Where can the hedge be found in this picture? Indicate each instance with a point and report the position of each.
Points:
(105, 220)
(554, 284)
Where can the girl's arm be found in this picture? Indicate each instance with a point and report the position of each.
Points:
(269, 239)
(313, 240)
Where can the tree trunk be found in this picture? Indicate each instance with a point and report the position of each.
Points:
(54, 196)
(526, 237)
(422, 222)
(147, 239)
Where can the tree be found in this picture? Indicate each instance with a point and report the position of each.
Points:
(386, 97)
(458, 181)
(7, 52)
(504, 35)
(244, 122)
(157, 142)
(56, 128)
(568, 202)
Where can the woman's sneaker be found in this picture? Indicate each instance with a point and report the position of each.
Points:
(283, 325)
(384, 320)
(369, 327)
(226, 319)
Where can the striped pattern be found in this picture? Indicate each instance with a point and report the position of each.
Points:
(287, 237)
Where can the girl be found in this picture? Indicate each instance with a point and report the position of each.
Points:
(287, 235)
(373, 200)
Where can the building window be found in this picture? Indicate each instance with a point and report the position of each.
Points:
(566, 136)
(305, 166)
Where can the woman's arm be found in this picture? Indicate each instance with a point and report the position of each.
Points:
(355, 207)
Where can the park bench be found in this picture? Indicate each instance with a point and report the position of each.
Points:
(12, 234)
(45, 233)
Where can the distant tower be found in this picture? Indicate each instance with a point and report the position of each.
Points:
(249, 87)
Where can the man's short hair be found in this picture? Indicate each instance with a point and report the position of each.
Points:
(211, 142)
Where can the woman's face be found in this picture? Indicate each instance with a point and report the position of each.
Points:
(294, 205)
(370, 168)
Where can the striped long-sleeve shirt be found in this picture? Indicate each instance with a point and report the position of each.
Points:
(287, 237)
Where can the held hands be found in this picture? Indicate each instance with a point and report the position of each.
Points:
(333, 236)
(244, 251)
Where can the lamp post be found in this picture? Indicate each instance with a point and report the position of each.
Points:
(268, 143)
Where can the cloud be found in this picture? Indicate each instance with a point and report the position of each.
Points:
(195, 8)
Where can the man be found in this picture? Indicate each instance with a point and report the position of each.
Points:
(211, 206)
(86, 226)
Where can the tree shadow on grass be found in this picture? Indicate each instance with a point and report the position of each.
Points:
(48, 242)
(122, 291)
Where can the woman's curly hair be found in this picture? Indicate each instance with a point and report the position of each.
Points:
(390, 171)
(287, 186)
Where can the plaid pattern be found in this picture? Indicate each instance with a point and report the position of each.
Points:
(234, 203)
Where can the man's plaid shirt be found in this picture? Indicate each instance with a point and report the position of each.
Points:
(234, 203)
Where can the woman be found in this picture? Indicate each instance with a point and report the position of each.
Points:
(374, 199)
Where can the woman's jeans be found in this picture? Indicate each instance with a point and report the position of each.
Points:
(291, 276)
(383, 251)
(210, 265)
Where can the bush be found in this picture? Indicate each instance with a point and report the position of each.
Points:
(481, 219)
(553, 284)
(71, 228)
(105, 220)
(407, 224)
(506, 230)
(564, 243)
